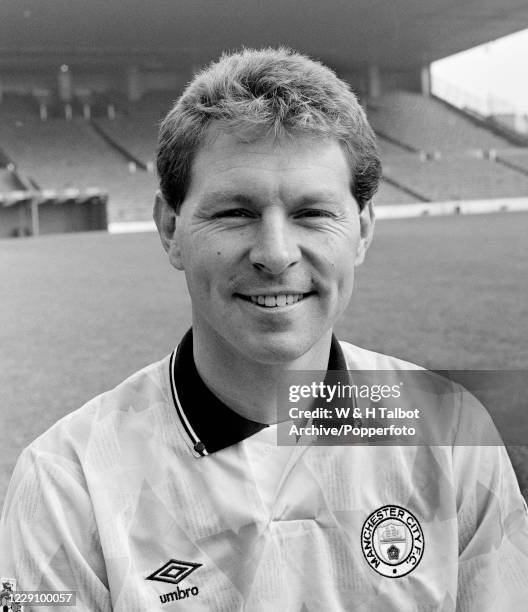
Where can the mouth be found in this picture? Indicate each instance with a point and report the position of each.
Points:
(278, 300)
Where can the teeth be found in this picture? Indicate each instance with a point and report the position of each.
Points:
(272, 301)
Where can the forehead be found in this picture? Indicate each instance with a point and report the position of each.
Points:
(301, 162)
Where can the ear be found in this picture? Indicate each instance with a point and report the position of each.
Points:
(366, 223)
(167, 222)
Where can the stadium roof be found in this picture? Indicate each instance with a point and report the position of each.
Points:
(394, 34)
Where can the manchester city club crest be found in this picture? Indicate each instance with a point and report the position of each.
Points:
(392, 541)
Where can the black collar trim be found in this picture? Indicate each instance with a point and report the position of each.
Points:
(207, 421)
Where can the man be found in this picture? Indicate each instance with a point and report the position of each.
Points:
(169, 492)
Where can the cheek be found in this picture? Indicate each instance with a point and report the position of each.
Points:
(340, 264)
(345, 275)
(346, 284)
(345, 258)
(207, 266)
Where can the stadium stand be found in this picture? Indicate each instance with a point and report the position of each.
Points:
(154, 104)
(430, 153)
(59, 154)
(390, 194)
(428, 125)
(136, 125)
(386, 147)
(456, 177)
(18, 105)
(454, 158)
(9, 181)
(515, 158)
(136, 135)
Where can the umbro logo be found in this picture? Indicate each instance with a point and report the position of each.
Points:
(173, 571)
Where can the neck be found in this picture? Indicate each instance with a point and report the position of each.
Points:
(249, 387)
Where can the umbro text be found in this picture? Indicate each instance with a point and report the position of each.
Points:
(179, 594)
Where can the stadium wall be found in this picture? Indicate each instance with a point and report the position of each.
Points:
(130, 81)
(24, 81)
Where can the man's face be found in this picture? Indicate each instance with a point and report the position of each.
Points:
(268, 235)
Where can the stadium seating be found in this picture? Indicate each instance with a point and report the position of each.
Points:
(153, 104)
(456, 178)
(515, 158)
(390, 194)
(59, 154)
(453, 157)
(429, 153)
(386, 147)
(8, 181)
(427, 124)
(18, 106)
(136, 125)
(137, 135)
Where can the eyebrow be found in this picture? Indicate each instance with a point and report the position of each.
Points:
(217, 197)
(318, 197)
(223, 196)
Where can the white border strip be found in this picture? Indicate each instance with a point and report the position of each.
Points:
(131, 227)
(387, 211)
(452, 207)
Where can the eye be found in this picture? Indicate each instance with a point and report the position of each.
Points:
(234, 213)
(309, 213)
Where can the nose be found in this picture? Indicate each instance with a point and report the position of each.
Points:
(276, 247)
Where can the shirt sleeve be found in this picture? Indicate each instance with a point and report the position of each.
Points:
(48, 534)
(492, 522)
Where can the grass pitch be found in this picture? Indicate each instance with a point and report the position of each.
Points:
(80, 312)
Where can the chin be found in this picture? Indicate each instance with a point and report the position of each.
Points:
(278, 348)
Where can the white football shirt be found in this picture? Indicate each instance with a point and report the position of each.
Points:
(156, 496)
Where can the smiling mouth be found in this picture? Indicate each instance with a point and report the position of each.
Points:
(275, 301)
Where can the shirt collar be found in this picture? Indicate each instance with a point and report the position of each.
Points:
(208, 422)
